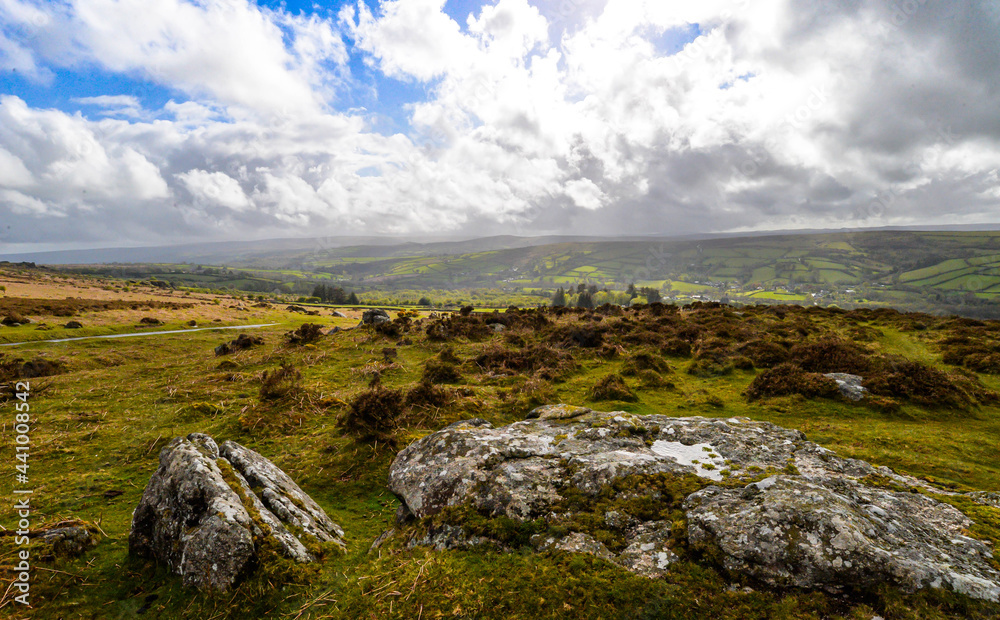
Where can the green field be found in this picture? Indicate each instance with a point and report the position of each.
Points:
(958, 272)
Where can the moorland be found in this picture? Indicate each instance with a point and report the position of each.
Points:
(333, 410)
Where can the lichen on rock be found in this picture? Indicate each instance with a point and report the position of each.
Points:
(640, 490)
(201, 516)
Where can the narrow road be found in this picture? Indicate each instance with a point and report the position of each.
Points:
(172, 331)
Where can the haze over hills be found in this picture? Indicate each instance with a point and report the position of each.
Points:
(249, 253)
(942, 270)
(240, 252)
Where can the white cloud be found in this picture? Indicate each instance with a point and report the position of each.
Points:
(114, 105)
(585, 194)
(780, 112)
(412, 38)
(216, 188)
(230, 51)
(13, 172)
(74, 160)
(511, 28)
(22, 204)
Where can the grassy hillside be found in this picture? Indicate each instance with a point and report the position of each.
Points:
(927, 271)
(111, 405)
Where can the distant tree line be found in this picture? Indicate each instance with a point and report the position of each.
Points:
(334, 295)
(590, 296)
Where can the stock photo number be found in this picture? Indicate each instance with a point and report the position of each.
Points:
(22, 491)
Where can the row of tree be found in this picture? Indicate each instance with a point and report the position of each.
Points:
(591, 297)
(335, 295)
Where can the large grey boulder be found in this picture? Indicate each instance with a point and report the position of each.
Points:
(280, 495)
(207, 512)
(830, 532)
(777, 507)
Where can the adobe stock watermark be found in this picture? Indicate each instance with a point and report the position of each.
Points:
(22, 492)
(900, 13)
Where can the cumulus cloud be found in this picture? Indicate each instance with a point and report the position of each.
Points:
(114, 105)
(411, 38)
(215, 187)
(230, 51)
(631, 116)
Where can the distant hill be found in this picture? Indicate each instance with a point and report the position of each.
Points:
(253, 253)
(939, 270)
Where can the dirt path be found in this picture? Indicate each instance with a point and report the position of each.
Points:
(133, 335)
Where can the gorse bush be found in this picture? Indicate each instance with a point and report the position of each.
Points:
(546, 362)
(305, 334)
(374, 415)
(612, 387)
(281, 382)
(788, 379)
(437, 371)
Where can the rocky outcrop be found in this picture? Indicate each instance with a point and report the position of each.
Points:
(849, 385)
(374, 316)
(831, 532)
(208, 513)
(767, 502)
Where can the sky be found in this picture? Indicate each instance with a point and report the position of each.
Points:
(152, 122)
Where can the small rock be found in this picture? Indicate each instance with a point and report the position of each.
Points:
(381, 539)
(70, 541)
(374, 316)
(148, 320)
(73, 325)
(575, 542)
(338, 314)
(986, 498)
(558, 412)
(849, 385)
